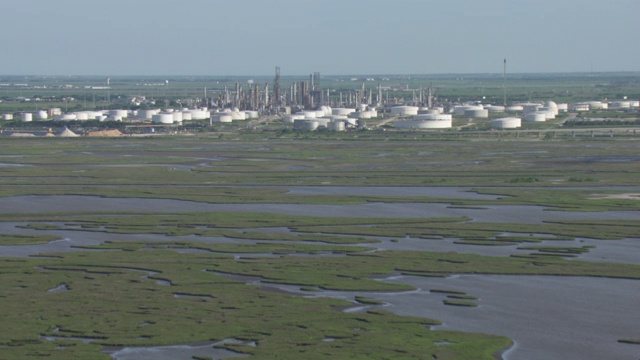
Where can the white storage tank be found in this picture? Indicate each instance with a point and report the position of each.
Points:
(548, 112)
(305, 125)
(423, 124)
(7, 117)
(404, 110)
(362, 115)
(634, 104)
(563, 107)
(101, 118)
(535, 116)
(323, 122)
(162, 118)
(27, 117)
(251, 114)
(351, 121)
(65, 117)
(506, 123)
(81, 115)
(222, 117)
(310, 114)
(42, 115)
(461, 109)
(495, 108)
(514, 108)
(289, 119)
(122, 114)
(580, 107)
(147, 114)
(342, 111)
(476, 114)
(177, 116)
(186, 115)
(336, 125)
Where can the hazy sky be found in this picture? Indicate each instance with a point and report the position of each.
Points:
(251, 37)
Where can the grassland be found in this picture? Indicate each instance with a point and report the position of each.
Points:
(130, 292)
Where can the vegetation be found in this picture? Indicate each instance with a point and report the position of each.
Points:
(219, 275)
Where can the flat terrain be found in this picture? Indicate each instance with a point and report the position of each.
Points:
(353, 245)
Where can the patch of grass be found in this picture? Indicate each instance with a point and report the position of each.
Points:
(463, 303)
(6, 239)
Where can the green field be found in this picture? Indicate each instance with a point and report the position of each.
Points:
(169, 291)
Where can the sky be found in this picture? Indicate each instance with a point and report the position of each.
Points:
(333, 37)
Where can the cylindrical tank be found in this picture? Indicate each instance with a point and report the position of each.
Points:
(222, 117)
(289, 119)
(563, 107)
(305, 125)
(535, 116)
(476, 114)
(495, 108)
(42, 115)
(342, 111)
(506, 123)
(548, 112)
(122, 114)
(162, 118)
(82, 115)
(147, 114)
(7, 117)
(310, 114)
(177, 116)
(421, 117)
(27, 117)
(362, 115)
(634, 103)
(65, 117)
(101, 118)
(404, 110)
(186, 115)
(424, 124)
(336, 125)
(514, 108)
(251, 114)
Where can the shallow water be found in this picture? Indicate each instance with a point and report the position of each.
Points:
(176, 352)
(548, 317)
(493, 213)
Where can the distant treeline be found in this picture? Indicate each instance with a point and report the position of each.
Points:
(577, 123)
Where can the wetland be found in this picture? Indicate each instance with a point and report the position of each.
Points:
(322, 248)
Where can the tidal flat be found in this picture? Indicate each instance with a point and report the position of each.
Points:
(145, 236)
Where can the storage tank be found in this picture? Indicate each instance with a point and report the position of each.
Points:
(222, 117)
(305, 125)
(251, 114)
(27, 117)
(336, 125)
(476, 114)
(162, 118)
(423, 124)
(289, 119)
(147, 114)
(535, 116)
(362, 115)
(122, 114)
(186, 115)
(634, 104)
(42, 115)
(342, 111)
(65, 117)
(563, 107)
(530, 107)
(323, 122)
(549, 112)
(404, 110)
(514, 108)
(7, 117)
(101, 118)
(506, 123)
(495, 108)
(81, 115)
(461, 109)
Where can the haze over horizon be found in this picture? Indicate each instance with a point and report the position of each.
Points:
(251, 37)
